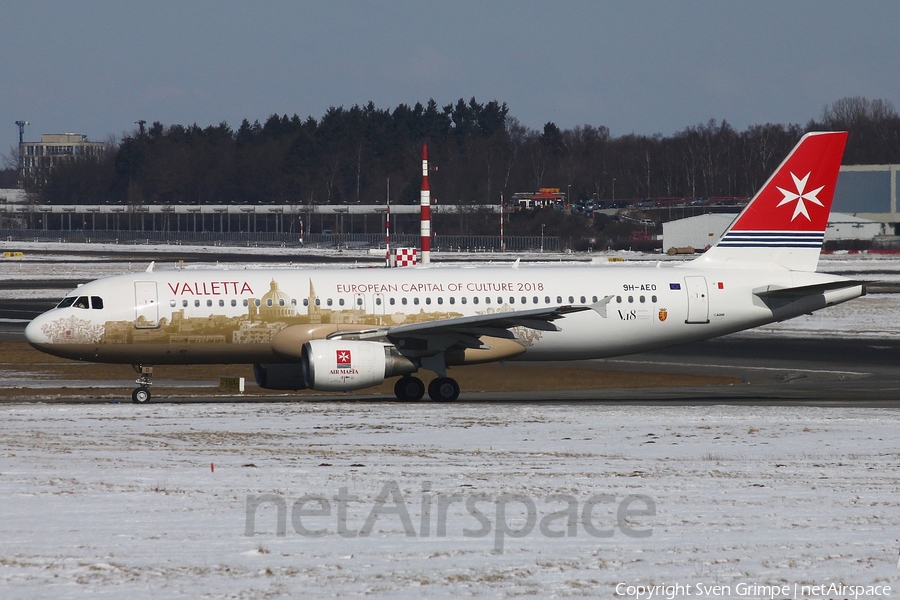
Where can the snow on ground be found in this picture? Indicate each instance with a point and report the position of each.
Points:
(121, 501)
(116, 500)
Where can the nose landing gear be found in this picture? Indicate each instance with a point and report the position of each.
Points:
(141, 395)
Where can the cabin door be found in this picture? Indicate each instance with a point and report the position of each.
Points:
(146, 305)
(698, 300)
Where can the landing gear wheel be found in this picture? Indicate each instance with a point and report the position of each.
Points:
(140, 396)
(443, 389)
(409, 389)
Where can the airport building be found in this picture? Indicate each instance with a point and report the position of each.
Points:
(37, 159)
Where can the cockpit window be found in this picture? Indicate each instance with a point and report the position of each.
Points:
(95, 302)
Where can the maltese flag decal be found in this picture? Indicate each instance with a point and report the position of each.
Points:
(343, 359)
(791, 210)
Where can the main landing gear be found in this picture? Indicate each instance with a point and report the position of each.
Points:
(411, 389)
(141, 395)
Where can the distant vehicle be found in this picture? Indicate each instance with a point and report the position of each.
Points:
(350, 329)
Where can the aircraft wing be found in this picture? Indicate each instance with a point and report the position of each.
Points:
(431, 337)
(489, 324)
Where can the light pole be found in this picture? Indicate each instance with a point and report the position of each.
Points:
(542, 238)
(569, 195)
(614, 189)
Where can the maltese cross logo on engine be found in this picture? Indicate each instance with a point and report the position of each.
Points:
(800, 197)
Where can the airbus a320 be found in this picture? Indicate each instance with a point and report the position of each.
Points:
(350, 329)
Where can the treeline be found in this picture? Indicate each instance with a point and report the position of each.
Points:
(478, 153)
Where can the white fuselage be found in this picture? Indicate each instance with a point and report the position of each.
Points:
(231, 316)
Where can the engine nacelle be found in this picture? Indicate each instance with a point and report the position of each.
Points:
(288, 376)
(343, 365)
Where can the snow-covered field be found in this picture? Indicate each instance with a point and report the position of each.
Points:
(182, 500)
(153, 501)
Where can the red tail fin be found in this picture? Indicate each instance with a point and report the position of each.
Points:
(785, 222)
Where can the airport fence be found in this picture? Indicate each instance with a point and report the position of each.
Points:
(440, 243)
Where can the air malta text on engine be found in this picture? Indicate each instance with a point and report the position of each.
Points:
(210, 288)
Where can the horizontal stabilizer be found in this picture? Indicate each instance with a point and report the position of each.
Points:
(808, 290)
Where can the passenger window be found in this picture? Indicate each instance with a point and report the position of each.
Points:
(619, 299)
(594, 299)
(416, 301)
(583, 300)
(571, 299)
(427, 300)
(475, 300)
(233, 302)
(452, 300)
(643, 299)
(403, 301)
(340, 301)
(221, 303)
(392, 301)
(499, 300)
(209, 303)
(329, 302)
(318, 302)
(463, 299)
(246, 303)
(378, 301)
(653, 299)
(172, 303)
(305, 302)
(257, 302)
(534, 300)
(269, 302)
(630, 299)
(440, 300)
(524, 300)
(66, 302)
(546, 299)
(559, 299)
(487, 300)
(281, 302)
(359, 301)
(184, 303)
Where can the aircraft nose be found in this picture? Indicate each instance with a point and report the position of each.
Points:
(34, 332)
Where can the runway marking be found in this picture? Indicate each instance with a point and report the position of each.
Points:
(680, 364)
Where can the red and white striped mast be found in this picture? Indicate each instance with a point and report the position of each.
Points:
(387, 227)
(425, 204)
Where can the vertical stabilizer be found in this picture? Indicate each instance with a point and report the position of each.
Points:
(784, 224)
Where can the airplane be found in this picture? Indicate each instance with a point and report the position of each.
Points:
(352, 328)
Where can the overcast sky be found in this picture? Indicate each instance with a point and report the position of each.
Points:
(96, 67)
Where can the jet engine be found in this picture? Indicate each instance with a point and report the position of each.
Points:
(286, 376)
(343, 365)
